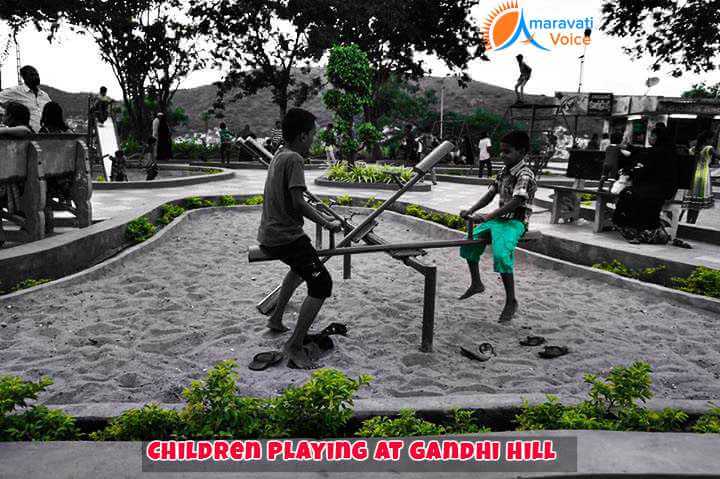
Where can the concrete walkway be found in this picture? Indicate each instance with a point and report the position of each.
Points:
(447, 197)
(623, 454)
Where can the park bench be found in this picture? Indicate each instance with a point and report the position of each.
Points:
(49, 173)
(585, 165)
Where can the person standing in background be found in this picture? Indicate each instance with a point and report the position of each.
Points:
(161, 132)
(225, 139)
(484, 154)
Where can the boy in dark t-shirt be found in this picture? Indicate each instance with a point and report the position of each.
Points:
(281, 232)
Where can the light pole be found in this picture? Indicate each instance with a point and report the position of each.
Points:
(442, 107)
(586, 40)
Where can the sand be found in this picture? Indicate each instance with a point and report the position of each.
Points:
(148, 327)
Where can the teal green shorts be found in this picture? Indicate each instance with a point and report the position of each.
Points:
(504, 235)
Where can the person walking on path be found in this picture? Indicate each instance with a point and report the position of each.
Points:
(28, 94)
(700, 195)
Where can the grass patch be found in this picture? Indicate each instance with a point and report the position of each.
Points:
(29, 283)
(254, 200)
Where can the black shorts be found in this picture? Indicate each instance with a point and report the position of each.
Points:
(305, 262)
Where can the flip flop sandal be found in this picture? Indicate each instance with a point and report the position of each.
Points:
(551, 352)
(470, 355)
(532, 341)
(334, 328)
(487, 348)
(264, 360)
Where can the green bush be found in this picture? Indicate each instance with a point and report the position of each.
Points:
(254, 200)
(144, 424)
(321, 407)
(130, 146)
(193, 202)
(344, 200)
(214, 410)
(708, 423)
(463, 422)
(417, 211)
(170, 211)
(29, 283)
(704, 281)
(35, 423)
(194, 150)
(100, 179)
(373, 203)
(140, 229)
(617, 267)
(226, 200)
(611, 406)
(344, 173)
(407, 425)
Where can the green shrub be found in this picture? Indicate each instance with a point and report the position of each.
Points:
(170, 211)
(254, 200)
(321, 407)
(226, 200)
(463, 422)
(100, 179)
(617, 267)
(407, 425)
(373, 203)
(194, 150)
(703, 281)
(417, 211)
(344, 173)
(35, 423)
(214, 410)
(708, 423)
(344, 200)
(140, 229)
(29, 283)
(213, 171)
(193, 202)
(144, 424)
(612, 405)
(130, 146)
(454, 221)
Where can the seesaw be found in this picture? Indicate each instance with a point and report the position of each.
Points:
(405, 252)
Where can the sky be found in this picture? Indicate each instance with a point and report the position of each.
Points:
(72, 63)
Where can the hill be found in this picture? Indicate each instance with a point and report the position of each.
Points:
(260, 113)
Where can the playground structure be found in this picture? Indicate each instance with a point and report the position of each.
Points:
(52, 172)
(102, 141)
(407, 253)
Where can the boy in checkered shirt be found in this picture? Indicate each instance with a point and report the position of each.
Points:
(516, 185)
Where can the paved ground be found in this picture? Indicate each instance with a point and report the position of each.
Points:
(448, 197)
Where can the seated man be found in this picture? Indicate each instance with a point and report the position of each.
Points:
(516, 185)
(28, 94)
(281, 233)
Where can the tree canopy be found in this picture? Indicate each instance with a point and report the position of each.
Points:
(263, 44)
(683, 35)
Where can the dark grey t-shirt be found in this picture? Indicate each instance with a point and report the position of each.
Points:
(280, 223)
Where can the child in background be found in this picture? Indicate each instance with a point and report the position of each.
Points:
(516, 185)
(149, 159)
(17, 121)
(119, 163)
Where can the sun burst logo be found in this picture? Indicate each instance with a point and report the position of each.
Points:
(504, 26)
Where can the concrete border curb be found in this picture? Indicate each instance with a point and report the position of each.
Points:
(169, 182)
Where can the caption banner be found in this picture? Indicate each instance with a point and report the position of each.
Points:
(446, 454)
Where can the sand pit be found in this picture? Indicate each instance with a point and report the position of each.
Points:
(147, 327)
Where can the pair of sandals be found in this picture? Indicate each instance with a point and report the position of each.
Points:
(316, 344)
(550, 352)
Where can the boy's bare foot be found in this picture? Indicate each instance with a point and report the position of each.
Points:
(277, 326)
(508, 312)
(473, 290)
(298, 358)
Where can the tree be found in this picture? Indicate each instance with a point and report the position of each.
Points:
(148, 47)
(393, 32)
(683, 35)
(348, 71)
(703, 90)
(264, 44)
(404, 102)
